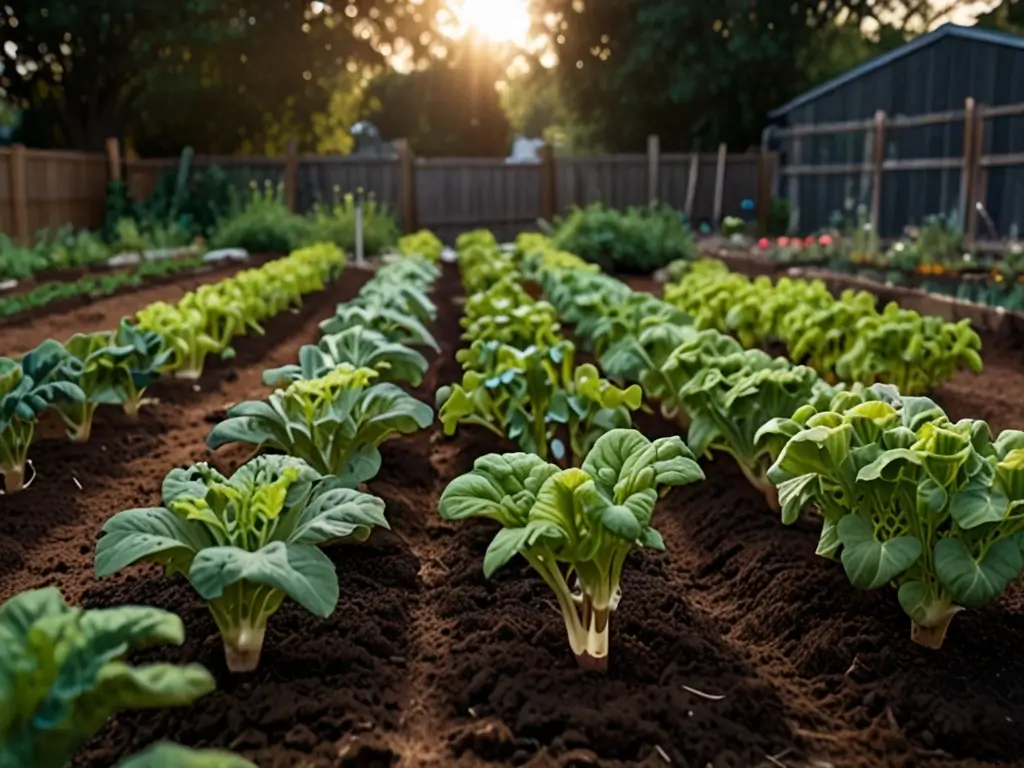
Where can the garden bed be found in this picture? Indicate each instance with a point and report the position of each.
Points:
(735, 646)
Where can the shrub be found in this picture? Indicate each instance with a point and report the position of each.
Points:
(640, 240)
(264, 225)
(337, 224)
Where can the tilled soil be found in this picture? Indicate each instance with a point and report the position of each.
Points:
(737, 647)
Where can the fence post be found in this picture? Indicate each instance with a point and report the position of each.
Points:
(19, 193)
(876, 173)
(113, 159)
(979, 178)
(691, 184)
(967, 173)
(407, 172)
(548, 183)
(653, 166)
(716, 218)
(291, 175)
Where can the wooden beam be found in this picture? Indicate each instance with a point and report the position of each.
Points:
(548, 183)
(291, 175)
(114, 172)
(723, 156)
(407, 172)
(653, 163)
(691, 184)
(877, 171)
(967, 172)
(19, 193)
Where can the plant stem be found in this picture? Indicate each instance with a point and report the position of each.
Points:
(931, 630)
(14, 478)
(242, 647)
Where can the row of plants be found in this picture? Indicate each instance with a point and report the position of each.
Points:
(106, 368)
(245, 542)
(844, 339)
(96, 286)
(187, 219)
(904, 495)
(581, 493)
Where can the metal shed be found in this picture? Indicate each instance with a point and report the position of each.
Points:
(932, 148)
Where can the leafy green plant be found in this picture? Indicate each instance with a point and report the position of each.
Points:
(476, 238)
(640, 240)
(360, 347)
(137, 360)
(528, 395)
(909, 498)
(63, 673)
(575, 527)
(731, 397)
(336, 422)
(42, 378)
(397, 326)
(245, 543)
(167, 755)
(91, 356)
(423, 243)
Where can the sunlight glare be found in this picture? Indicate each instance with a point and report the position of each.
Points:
(500, 21)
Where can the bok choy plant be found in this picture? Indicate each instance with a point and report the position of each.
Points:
(336, 422)
(575, 527)
(360, 347)
(92, 355)
(42, 378)
(245, 543)
(137, 359)
(909, 498)
(63, 674)
(167, 755)
(528, 395)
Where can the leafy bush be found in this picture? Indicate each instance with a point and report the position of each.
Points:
(263, 225)
(245, 543)
(640, 240)
(575, 526)
(63, 674)
(909, 498)
(336, 224)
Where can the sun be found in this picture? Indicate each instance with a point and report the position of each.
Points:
(500, 21)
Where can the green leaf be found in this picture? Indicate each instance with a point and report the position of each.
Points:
(155, 534)
(167, 755)
(302, 572)
(973, 583)
(870, 563)
(978, 503)
(794, 495)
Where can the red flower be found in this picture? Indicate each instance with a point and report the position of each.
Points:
(782, 242)
(763, 243)
(825, 240)
(809, 241)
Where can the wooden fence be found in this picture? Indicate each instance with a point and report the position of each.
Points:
(448, 195)
(902, 168)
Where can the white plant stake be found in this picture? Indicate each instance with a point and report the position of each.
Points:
(359, 227)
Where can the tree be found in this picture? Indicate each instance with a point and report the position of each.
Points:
(695, 72)
(211, 69)
(451, 107)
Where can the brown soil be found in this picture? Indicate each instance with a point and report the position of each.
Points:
(736, 647)
(83, 314)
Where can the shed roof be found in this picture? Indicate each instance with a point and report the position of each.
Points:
(946, 30)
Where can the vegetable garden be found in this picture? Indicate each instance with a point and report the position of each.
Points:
(509, 511)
